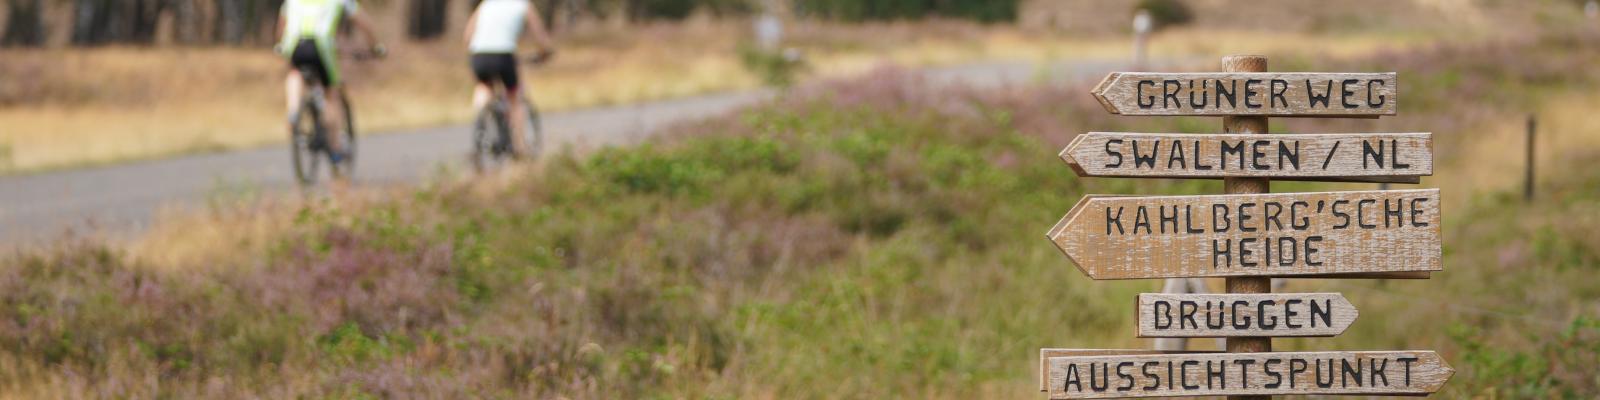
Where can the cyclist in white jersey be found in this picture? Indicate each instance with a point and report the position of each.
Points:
(492, 35)
(308, 29)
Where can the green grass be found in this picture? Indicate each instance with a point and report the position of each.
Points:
(865, 239)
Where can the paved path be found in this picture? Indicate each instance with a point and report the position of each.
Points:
(123, 198)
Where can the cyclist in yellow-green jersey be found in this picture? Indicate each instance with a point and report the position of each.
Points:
(308, 30)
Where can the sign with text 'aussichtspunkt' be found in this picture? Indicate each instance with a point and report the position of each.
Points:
(1224, 374)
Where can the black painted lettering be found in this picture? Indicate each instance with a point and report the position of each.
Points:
(1312, 98)
(1161, 308)
(1231, 93)
(1323, 311)
(1278, 88)
(1311, 250)
(1416, 210)
(1127, 380)
(1261, 315)
(1250, 92)
(1361, 213)
(1114, 153)
(1186, 310)
(1141, 218)
(1344, 217)
(1345, 92)
(1289, 156)
(1237, 150)
(1346, 371)
(1257, 153)
(1155, 380)
(1371, 90)
(1183, 374)
(1169, 92)
(1277, 377)
(1289, 313)
(1114, 220)
(1139, 159)
(1145, 102)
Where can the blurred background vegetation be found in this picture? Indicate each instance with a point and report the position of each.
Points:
(869, 234)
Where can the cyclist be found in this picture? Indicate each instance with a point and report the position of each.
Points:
(492, 35)
(308, 29)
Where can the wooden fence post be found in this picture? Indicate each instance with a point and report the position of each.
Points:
(1256, 125)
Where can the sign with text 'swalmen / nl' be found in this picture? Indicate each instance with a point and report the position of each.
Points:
(1369, 157)
(1248, 236)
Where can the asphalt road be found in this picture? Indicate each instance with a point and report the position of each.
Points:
(122, 199)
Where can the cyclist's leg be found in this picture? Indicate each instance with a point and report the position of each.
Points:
(333, 113)
(518, 118)
(483, 70)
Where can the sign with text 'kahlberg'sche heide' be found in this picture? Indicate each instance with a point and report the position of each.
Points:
(1288, 234)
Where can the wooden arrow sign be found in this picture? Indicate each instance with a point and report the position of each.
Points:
(1244, 315)
(1241, 93)
(1290, 234)
(1047, 353)
(1225, 374)
(1365, 157)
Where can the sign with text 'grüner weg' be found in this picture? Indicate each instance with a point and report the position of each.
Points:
(1223, 374)
(1290, 94)
(1289, 234)
(1366, 157)
(1244, 315)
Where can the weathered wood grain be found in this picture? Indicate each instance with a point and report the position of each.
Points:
(1287, 234)
(1046, 353)
(1287, 373)
(1243, 315)
(1364, 157)
(1320, 94)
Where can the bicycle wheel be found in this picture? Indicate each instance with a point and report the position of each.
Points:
(533, 130)
(346, 168)
(304, 131)
(488, 146)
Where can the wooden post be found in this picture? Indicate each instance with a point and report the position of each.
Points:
(1527, 179)
(1255, 125)
(1141, 36)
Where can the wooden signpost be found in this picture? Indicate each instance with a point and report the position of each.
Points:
(1294, 94)
(1370, 157)
(1224, 374)
(1253, 234)
(1244, 315)
(1249, 235)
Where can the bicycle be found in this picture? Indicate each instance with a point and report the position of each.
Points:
(308, 136)
(492, 146)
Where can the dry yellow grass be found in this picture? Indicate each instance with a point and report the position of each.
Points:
(72, 107)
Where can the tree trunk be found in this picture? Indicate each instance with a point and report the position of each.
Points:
(428, 17)
(24, 24)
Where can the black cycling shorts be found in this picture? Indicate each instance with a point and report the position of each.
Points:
(306, 57)
(496, 67)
